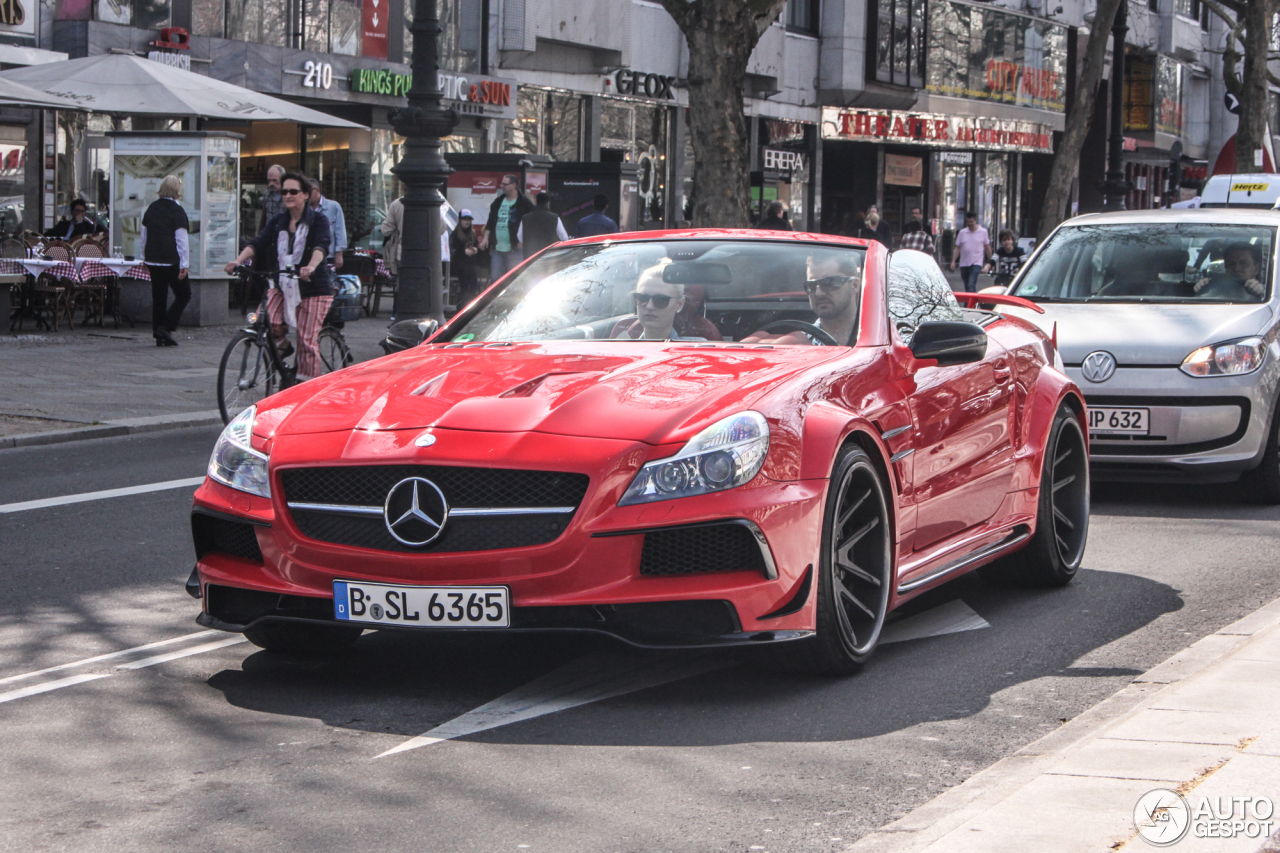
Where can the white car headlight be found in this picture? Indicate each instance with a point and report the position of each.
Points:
(722, 456)
(235, 463)
(1233, 358)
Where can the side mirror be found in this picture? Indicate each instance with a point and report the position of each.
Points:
(949, 342)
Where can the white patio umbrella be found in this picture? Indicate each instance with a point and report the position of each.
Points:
(130, 85)
(17, 95)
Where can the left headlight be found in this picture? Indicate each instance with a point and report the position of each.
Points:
(724, 455)
(235, 463)
(1232, 358)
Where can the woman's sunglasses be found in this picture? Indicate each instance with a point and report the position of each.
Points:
(829, 284)
(291, 192)
(658, 300)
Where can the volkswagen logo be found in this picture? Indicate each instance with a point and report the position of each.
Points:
(1098, 366)
(415, 512)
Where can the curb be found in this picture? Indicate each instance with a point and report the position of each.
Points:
(983, 791)
(110, 429)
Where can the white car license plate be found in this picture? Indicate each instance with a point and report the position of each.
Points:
(1112, 421)
(422, 606)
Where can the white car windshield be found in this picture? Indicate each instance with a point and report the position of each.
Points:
(689, 290)
(1151, 262)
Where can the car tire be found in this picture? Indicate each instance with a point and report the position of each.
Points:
(1264, 481)
(1056, 549)
(855, 572)
(302, 639)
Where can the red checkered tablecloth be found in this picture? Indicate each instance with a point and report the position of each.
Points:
(97, 269)
(380, 269)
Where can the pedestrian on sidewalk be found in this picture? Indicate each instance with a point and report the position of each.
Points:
(500, 232)
(298, 238)
(337, 222)
(596, 223)
(1008, 258)
(775, 218)
(915, 237)
(392, 232)
(882, 227)
(465, 249)
(166, 252)
(272, 201)
(540, 228)
(870, 229)
(971, 252)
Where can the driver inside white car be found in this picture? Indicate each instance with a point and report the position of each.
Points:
(833, 282)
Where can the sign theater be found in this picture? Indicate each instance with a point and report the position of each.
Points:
(940, 131)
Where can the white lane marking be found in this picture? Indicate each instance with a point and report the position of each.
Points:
(949, 618)
(97, 496)
(110, 656)
(24, 692)
(182, 653)
(578, 683)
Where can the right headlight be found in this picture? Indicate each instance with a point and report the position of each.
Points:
(724, 455)
(1232, 358)
(235, 463)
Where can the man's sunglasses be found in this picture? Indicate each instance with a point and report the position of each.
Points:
(829, 284)
(658, 300)
(292, 192)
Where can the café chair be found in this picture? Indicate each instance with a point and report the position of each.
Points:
(93, 291)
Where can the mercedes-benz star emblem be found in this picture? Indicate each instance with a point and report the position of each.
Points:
(1098, 366)
(415, 512)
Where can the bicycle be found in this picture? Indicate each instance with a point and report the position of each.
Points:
(253, 367)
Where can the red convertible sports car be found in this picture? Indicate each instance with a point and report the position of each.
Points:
(679, 439)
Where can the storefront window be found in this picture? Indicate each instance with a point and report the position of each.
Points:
(1169, 87)
(408, 31)
(208, 17)
(255, 21)
(522, 135)
(143, 14)
(460, 34)
(899, 42)
(547, 122)
(802, 16)
(315, 26)
(1138, 79)
(13, 171)
(344, 27)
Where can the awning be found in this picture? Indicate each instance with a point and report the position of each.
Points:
(17, 95)
(123, 84)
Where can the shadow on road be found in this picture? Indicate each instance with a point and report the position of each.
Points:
(407, 684)
(1230, 501)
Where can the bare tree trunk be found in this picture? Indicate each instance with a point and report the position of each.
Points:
(1080, 116)
(1253, 95)
(721, 35)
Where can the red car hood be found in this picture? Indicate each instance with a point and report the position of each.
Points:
(642, 392)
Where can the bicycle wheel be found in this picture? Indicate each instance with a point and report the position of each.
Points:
(334, 353)
(245, 375)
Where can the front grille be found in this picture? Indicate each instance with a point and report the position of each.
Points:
(462, 487)
(708, 548)
(215, 535)
(367, 486)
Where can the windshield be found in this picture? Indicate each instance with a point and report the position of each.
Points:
(1190, 262)
(691, 290)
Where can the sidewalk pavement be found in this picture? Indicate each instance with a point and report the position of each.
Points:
(55, 385)
(1205, 723)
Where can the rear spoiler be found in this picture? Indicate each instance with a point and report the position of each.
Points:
(972, 300)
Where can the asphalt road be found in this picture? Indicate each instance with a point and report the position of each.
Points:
(578, 745)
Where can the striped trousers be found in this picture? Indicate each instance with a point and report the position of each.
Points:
(311, 313)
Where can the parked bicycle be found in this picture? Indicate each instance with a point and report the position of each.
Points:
(254, 367)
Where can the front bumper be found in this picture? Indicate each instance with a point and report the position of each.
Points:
(587, 578)
(1204, 429)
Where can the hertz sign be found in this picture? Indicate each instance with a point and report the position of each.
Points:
(11, 13)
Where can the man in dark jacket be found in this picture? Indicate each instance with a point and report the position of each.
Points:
(76, 225)
(775, 217)
(541, 228)
(501, 232)
(596, 223)
(464, 250)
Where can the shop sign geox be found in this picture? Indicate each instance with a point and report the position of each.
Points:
(941, 131)
(646, 85)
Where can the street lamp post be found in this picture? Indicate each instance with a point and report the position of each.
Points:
(423, 172)
(1115, 187)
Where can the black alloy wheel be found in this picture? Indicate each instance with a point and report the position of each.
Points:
(1053, 554)
(855, 577)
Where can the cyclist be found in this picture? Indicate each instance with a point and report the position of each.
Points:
(298, 238)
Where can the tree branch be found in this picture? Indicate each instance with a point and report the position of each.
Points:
(765, 12)
(685, 12)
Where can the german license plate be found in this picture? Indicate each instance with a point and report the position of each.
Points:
(1113, 421)
(422, 606)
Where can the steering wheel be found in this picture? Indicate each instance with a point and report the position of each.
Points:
(783, 326)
